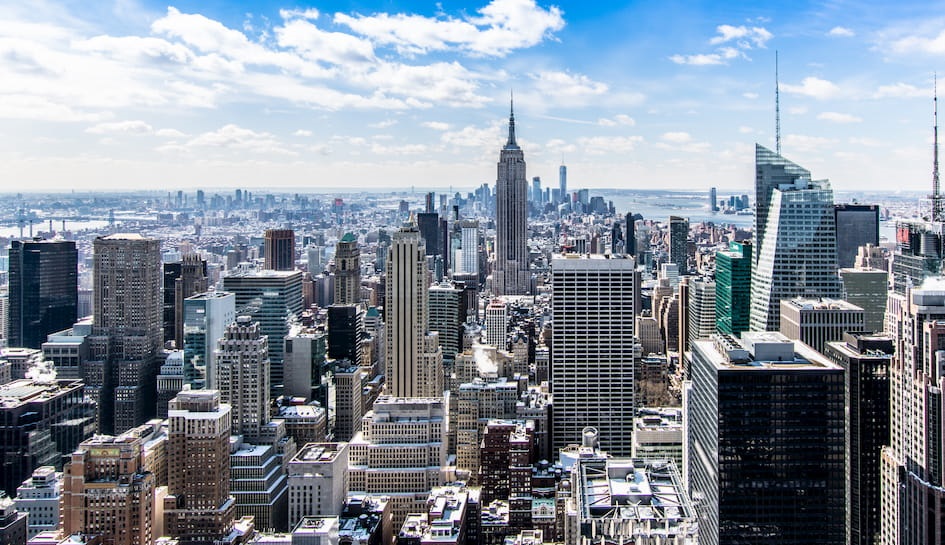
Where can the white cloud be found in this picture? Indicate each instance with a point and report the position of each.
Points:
(838, 117)
(233, 138)
(499, 28)
(803, 142)
(746, 130)
(486, 138)
(387, 123)
(679, 137)
(813, 87)
(842, 32)
(169, 133)
(437, 125)
(601, 145)
(698, 60)
(900, 90)
(310, 13)
(934, 44)
(866, 142)
(744, 36)
(302, 132)
(625, 119)
(567, 85)
(749, 95)
(797, 110)
(121, 127)
(318, 45)
(405, 149)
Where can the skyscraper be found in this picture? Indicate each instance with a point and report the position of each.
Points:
(593, 350)
(733, 288)
(713, 200)
(198, 507)
(347, 271)
(412, 370)
(766, 441)
(242, 376)
(511, 275)
(679, 243)
(796, 247)
(181, 280)
(126, 334)
(280, 249)
(43, 295)
(563, 184)
(857, 225)
(206, 316)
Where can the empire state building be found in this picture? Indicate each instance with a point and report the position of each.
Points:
(511, 276)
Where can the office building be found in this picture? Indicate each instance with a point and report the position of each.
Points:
(13, 525)
(318, 480)
(624, 500)
(511, 275)
(279, 250)
(446, 315)
(206, 316)
(865, 360)
(563, 184)
(272, 298)
(198, 507)
(126, 330)
(700, 317)
(107, 491)
(181, 280)
(733, 288)
(43, 290)
(857, 225)
(816, 322)
(679, 243)
(765, 426)
(41, 420)
(918, 254)
(347, 271)
(428, 223)
(796, 249)
(306, 365)
(497, 323)
(867, 289)
(469, 264)
(591, 356)
(913, 489)
(242, 376)
(170, 381)
(345, 332)
(658, 435)
(713, 200)
(39, 497)
(349, 398)
(400, 451)
(413, 358)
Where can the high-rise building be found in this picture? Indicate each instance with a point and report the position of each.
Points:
(429, 225)
(242, 376)
(401, 449)
(306, 349)
(345, 332)
(630, 236)
(816, 322)
(865, 360)
(765, 421)
(593, 349)
(40, 421)
(497, 324)
(349, 399)
(318, 480)
(563, 183)
(181, 280)
(536, 191)
(446, 315)
(679, 243)
(198, 507)
(43, 290)
(206, 316)
(912, 472)
(713, 200)
(857, 225)
(867, 289)
(273, 298)
(107, 491)
(279, 249)
(347, 271)
(170, 381)
(796, 248)
(39, 496)
(411, 362)
(470, 247)
(701, 311)
(733, 288)
(511, 275)
(126, 334)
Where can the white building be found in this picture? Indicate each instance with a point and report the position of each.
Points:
(39, 496)
(318, 481)
(497, 323)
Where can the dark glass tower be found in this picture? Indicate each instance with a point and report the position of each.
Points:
(733, 288)
(857, 225)
(43, 290)
(766, 442)
(279, 248)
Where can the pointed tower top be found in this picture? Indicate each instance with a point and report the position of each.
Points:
(777, 107)
(511, 144)
(938, 207)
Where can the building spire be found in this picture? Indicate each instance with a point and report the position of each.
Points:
(777, 107)
(511, 143)
(937, 204)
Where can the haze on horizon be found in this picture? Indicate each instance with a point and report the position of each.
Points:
(140, 95)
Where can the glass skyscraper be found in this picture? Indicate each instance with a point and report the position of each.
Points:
(43, 290)
(733, 288)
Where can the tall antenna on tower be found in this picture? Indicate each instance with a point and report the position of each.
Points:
(936, 189)
(777, 107)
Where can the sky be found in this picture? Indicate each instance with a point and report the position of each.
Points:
(330, 95)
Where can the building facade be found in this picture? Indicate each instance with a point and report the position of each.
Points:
(43, 290)
(511, 275)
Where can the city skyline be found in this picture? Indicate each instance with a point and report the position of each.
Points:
(133, 94)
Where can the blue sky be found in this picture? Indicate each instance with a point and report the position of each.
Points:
(372, 94)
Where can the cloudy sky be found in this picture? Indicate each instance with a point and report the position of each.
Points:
(138, 94)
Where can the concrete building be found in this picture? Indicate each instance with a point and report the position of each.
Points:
(198, 507)
(867, 289)
(765, 420)
(497, 324)
(658, 435)
(701, 310)
(305, 364)
(400, 452)
(446, 314)
(170, 381)
(592, 357)
(106, 491)
(242, 365)
(126, 339)
(279, 250)
(347, 271)
(816, 322)
(13, 525)
(206, 316)
(349, 399)
(39, 497)
(182, 279)
(511, 275)
(318, 481)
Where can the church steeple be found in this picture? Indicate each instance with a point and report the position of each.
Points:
(511, 144)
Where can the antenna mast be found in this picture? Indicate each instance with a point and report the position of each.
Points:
(936, 189)
(777, 107)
